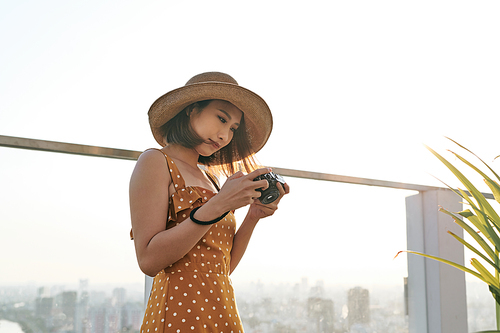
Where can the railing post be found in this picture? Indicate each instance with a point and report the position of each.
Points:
(148, 284)
(436, 291)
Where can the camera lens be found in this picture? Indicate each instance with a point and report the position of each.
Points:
(271, 193)
(269, 197)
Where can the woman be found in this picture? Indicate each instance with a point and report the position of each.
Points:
(183, 226)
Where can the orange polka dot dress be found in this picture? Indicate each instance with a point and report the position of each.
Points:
(195, 293)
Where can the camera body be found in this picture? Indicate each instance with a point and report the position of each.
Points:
(271, 193)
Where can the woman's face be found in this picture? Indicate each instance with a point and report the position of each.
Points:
(216, 125)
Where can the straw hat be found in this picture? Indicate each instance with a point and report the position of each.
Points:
(214, 85)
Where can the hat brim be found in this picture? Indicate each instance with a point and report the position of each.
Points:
(258, 118)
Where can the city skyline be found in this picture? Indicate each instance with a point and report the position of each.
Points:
(316, 309)
(316, 300)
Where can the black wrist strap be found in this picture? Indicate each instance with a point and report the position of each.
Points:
(205, 222)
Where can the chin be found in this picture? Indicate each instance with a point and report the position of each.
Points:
(206, 153)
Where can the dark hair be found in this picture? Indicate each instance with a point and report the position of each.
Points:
(237, 155)
(178, 129)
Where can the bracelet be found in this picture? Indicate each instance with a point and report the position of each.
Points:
(205, 222)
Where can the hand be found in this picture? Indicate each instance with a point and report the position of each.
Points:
(239, 190)
(258, 210)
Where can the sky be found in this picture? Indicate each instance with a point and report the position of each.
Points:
(356, 88)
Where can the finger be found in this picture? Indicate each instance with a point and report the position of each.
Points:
(287, 188)
(258, 172)
(263, 184)
(281, 189)
(268, 209)
(236, 175)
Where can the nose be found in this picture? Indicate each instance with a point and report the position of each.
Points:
(224, 135)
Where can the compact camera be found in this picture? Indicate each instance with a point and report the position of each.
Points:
(271, 193)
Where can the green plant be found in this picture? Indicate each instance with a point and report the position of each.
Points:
(481, 222)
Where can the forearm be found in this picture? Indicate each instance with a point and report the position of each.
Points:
(241, 240)
(168, 246)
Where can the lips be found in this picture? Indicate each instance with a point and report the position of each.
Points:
(214, 144)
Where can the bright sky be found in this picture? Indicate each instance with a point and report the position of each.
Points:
(356, 88)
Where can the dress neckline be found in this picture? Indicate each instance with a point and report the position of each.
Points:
(179, 179)
(201, 188)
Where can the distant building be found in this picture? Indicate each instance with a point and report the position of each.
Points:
(82, 323)
(68, 304)
(119, 297)
(320, 312)
(43, 292)
(43, 306)
(98, 319)
(132, 314)
(318, 290)
(358, 304)
(43, 303)
(63, 312)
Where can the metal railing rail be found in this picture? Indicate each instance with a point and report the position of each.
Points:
(67, 148)
(95, 151)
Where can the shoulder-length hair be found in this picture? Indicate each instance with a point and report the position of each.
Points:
(235, 156)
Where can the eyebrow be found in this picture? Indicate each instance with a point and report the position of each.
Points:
(228, 115)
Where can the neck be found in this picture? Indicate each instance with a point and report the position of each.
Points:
(186, 155)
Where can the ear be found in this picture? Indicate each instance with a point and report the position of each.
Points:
(193, 107)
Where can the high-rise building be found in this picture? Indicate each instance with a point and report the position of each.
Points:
(320, 313)
(82, 324)
(119, 297)
(358, 304)
(98, 319)
(318, 290)
(43, 292)
(68, 304)
(132, 314)
(43, 306)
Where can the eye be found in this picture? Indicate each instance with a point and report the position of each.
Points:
(222, 120)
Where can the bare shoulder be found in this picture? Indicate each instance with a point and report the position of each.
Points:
(152, 155)
(149, 196)
(151, 166)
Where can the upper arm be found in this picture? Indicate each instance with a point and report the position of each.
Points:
(149, 195)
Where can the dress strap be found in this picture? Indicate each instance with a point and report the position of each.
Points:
(213, 179)
(174, 173)
(176, 176)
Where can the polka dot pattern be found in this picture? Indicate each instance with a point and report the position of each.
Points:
(195, 294)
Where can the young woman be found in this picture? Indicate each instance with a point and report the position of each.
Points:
(183, 225)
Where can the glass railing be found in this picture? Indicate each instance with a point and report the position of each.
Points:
(480, 303)
(323, 263)
(329, 246)
(67, 261)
